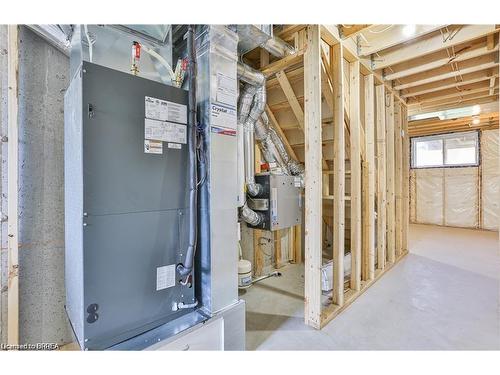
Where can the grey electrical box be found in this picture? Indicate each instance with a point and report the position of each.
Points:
(126, 199)
(280, 202)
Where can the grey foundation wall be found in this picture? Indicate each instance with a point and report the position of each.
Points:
(43, 78)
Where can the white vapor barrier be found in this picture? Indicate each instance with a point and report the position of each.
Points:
(490, 179)
(429, 196)
(461, 197)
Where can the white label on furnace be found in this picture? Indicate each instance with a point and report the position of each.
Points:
(174, 145)
(222, 116)
(165, 277)
(226, 89)
(153, 147)
(163, 110)
(274, 204)
(297, 182)
(165, 131)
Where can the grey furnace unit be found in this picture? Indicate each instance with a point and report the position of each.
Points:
(126, 199)
(280, 201)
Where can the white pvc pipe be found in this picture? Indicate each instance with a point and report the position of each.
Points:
(161, 60)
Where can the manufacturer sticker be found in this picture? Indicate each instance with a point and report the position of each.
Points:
(165, 131)
(165, 277)
(153, 147)
(163, 110)
(223, 116)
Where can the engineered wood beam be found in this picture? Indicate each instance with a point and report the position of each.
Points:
(390, 162)
(369, 182)
(355, 138)
(381, 177)
(394, 37)
(440, 107)
(348, 31)
(441, 77)
(337, 73)
(490, 41)
(461, 34)
(461, 56)
(13, 186)
(458, 94)
(464, 98)
(313, 178)
(449, 83)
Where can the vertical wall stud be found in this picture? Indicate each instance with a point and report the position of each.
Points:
(337, 67)
(381, 178)
(355, 138)
(391, 210)
(313, 177)
(369, 214)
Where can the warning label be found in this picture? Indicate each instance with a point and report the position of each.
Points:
(153, 147)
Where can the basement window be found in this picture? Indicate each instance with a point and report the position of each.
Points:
(445, 150)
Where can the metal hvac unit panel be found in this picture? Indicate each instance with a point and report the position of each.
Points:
(126, 209)
(281, 201)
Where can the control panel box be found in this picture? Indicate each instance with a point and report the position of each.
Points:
(280, 202)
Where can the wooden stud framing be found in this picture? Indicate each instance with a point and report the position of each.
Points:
(381, 178)
(398, 177)
(390, 162)
(13, 188)
(322, 57)
(355, 138)
(290, 96)
(313, 177)
(369, 181)
(406, 179)
(337, 72)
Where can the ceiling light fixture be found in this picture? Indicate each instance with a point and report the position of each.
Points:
(476, 121)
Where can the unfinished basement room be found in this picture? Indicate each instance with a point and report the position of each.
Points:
(249, 187)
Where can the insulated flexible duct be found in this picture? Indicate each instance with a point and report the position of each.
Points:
(253, 121)
(277, 47)
(186, 268)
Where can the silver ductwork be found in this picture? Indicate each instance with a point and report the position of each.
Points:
(277, 47)
(249, 75)
(250, 216)
(273, 148)
(254, 123)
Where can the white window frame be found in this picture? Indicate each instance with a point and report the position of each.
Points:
(443, 137)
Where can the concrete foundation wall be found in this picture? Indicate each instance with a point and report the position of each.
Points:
(43, 78)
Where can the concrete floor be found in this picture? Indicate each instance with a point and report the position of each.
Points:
(443, 295)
